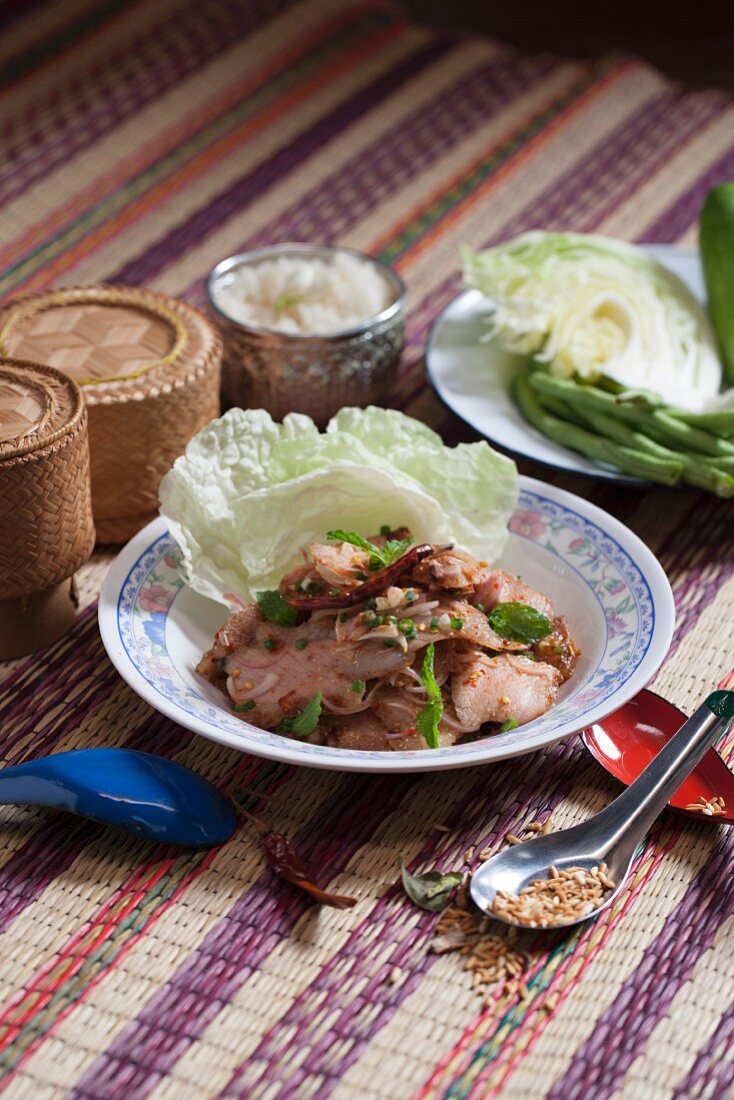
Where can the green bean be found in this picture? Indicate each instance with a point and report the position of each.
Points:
(641, 399)
(726, 463)
(666, 428)
(625, 435)
(721, 422)
(701, 471)
(562, 410)
(625, 459)
(661, 426)
(697, 472)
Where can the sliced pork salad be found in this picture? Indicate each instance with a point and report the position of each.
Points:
(383, 643)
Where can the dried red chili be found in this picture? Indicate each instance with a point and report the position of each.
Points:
(376, 583)
(284, 861)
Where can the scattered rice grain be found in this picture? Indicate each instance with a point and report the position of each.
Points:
(709, 807)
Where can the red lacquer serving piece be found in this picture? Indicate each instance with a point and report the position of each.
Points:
(626, 742)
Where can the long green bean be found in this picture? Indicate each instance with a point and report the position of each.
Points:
(703, 472)
(626, 459)
(660, 425)
(721, 422)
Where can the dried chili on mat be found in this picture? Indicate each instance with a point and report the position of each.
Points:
(284, 861)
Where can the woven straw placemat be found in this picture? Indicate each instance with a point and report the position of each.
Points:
(144, 142)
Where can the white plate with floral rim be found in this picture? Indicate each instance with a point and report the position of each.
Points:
(473, 376)
(610, 587)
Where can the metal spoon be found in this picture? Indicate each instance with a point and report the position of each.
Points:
(612, 836)
(144, 794)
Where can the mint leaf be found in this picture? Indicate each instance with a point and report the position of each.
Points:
(274, 608)
(429, 717)
(381, 556)
(306, 721)
(431, 891)
(520, 623)
(395, 548)
(355, 540)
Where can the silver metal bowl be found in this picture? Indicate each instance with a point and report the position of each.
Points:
(316, 375)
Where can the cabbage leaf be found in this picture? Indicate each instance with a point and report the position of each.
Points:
(250, 493)
(594, 307)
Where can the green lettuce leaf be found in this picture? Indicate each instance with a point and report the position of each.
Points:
(249, 493)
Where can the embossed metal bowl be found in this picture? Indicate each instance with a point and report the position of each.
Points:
(316, 375)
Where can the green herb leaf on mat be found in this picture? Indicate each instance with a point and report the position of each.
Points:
(274, 608)
(519, 622)
(431, 891)
(429, 717)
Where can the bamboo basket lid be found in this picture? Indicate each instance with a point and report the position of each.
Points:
(149, 369)
(46, 527)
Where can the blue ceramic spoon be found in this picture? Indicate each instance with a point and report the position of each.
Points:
(144, 794)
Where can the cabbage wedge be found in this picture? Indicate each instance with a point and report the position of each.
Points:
(592, 307)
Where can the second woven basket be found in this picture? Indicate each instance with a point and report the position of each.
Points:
(149, 369)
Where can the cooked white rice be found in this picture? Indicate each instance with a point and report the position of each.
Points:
(303, 295)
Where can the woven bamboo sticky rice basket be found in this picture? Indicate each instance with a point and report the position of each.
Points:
(46, 528)
(149, 368)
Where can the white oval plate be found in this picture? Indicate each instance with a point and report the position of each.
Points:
(610, 587)
(473, 378)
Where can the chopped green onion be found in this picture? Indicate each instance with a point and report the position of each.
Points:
(385, 529)
(457, 623)
(434, 623)
(358, 686)
(407, 627)
(301, 643)
(509, 724)
(271, 643)
(241, 707)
